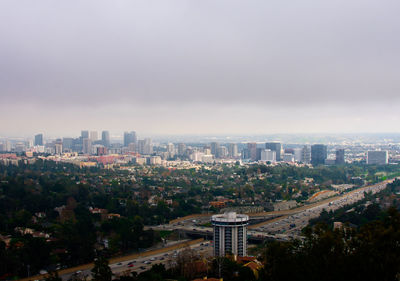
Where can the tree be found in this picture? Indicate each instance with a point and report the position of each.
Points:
(371, 252)
(101, 271)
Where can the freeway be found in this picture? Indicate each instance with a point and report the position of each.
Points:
(291, 225)
(143, 263)
(135, 262)
(286, 224)
(273, 214)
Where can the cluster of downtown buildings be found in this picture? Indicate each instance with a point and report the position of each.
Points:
(143, 151)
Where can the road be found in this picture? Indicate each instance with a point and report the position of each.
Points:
(291, 225)
(136, 259)
(144, 263)
(287, 225)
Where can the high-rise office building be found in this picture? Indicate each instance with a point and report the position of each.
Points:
(268, 155)
(171, 149)
(319, 153)
(251, 152)
(181, 149)
(105, 138)
(68, 144)
(145, 146)
(39, 139)
(58, 146)
(7, 145)
(378, 157)
(339, 157)
(94, 136)
(297, 154)
(19, 147)
(230, 234)
(275, 146)
(222, 152)
(129, 137)
(288, 157)
(132, 147)
(233, 150)
(306, 154)
(215, 149)
(87, 146)
(84, 135)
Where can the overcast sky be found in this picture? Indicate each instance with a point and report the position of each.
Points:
(206, 67)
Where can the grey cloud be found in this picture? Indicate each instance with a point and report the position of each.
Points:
(241, 52)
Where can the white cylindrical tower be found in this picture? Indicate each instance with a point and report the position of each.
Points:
(230, 234)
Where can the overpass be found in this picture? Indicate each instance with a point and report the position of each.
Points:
(207, 233)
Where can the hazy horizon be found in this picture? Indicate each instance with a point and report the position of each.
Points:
(207, 68)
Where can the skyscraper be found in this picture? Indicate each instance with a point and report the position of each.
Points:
(39, 139)
(215, 149)
(378, 157)
(275, 146)
(268, 155)
(181, 149)
(105, 138)
(233, 150)
(171, 149)
(319, 153)
(222, 152)
(94, 136)
(87, 146)
(58, 146)
(84, 134)
(230, 234)
(306, 154)
(297, 154)
(129, 137)
(252, 151)
(339, 156)
(145, 146)
(7, 145)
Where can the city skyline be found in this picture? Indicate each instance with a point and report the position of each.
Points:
(199, 140)
(250, 68)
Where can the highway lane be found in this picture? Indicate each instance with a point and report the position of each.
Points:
(84, 269)
(290, 222)
(291, 225)
(141, 264)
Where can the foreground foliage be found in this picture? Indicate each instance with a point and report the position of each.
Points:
(371, 252)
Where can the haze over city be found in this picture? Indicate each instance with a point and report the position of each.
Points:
(189, 67)
(217, 140)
